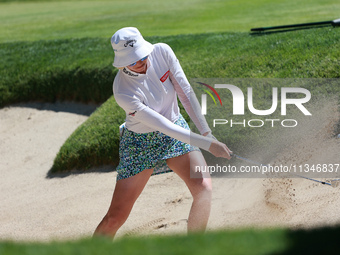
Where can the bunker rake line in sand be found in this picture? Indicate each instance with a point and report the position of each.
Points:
(333, 183)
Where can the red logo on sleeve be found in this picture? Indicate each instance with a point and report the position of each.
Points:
(165, 76)
(132, 113)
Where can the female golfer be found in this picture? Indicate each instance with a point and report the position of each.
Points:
(156, 138)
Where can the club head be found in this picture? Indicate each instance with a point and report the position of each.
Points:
(335, 183)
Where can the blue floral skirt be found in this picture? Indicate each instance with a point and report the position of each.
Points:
(140, 151)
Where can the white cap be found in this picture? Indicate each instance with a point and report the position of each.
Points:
(129, 46)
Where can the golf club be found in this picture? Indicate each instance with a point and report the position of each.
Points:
(333, 183)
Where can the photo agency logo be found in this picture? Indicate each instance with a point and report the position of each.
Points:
(256, 103)
(269, 121)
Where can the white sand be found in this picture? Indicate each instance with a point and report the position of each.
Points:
(34, 207)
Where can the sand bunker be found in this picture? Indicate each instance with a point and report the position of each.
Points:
(34, 207)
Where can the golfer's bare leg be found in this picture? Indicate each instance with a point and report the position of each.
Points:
(124, 196)
(200, 188)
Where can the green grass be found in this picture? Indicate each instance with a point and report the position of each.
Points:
(237, 242)
(70, 69)
(45, 20)
(232, 242)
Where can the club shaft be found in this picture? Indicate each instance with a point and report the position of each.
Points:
(259, 164)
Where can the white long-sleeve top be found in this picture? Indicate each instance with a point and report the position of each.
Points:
(150, 99)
